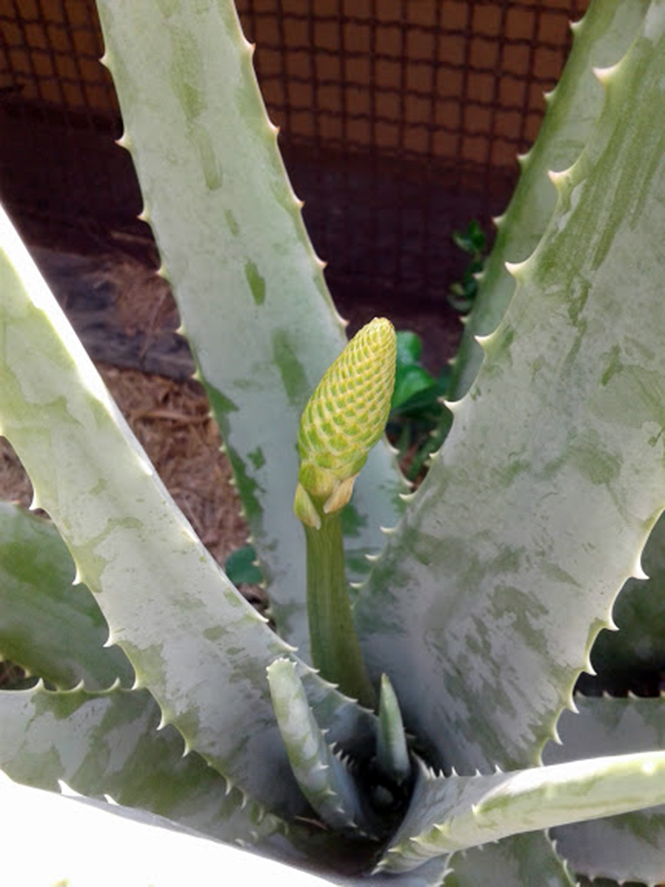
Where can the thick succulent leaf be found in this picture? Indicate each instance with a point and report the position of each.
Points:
(627, 849)
(638, 649)
(431, 874)
(108, 743)
(392, 752)
(520, 861)
(87, 842)
(599, 40)
(486, 601)
(199, 647)
(49, 626)
(456, 812)
(630, 847)
(324, 777)
(249, 287)
(146, 849)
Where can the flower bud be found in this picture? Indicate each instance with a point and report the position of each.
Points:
(343, 420)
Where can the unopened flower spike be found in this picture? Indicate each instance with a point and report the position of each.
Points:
(343, 420)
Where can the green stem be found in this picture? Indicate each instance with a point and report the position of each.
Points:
(335, 648)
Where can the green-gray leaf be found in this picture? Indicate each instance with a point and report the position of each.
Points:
(630, 847)
(325, 778)
(250, 290)
(453, 813)
(485, 603)
(49, 626)
(600, 40)
(109, 744)
(520, 861)
(199, 647)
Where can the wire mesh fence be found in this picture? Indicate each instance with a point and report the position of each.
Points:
(400, 121)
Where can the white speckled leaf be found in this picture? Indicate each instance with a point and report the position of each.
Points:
(520, 861)
(199, 647)
(484, 605)
(599, 40)
(48, 626)
(454, 813)
(630, 847)
(325, 779)
(108, 744)
(146, 849)
(83, 842)
(249, 287)
(619, 657)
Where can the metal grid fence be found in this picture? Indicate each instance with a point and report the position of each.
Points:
(400, 120)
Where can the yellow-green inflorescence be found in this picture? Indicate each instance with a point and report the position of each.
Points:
(343, 420)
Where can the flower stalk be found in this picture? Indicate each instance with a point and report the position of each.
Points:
(342, 421)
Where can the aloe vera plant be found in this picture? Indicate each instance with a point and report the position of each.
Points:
(161, 690)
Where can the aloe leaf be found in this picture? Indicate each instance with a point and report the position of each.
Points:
(552, 477)
(514, 862)
(630, 847)
(606, 725)
(146, 849)
(165, 599)
(453, 813)
(599, 40)
(109, 743)
(249, 287)
(392, 752)
(324, 777)
(49, 626)
(638, 648)
(626, 849)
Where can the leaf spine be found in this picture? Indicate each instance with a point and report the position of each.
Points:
(606, 75)
(589, 669)
(67, 790)
(516, 269)
(557, 178)
(638, 570)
